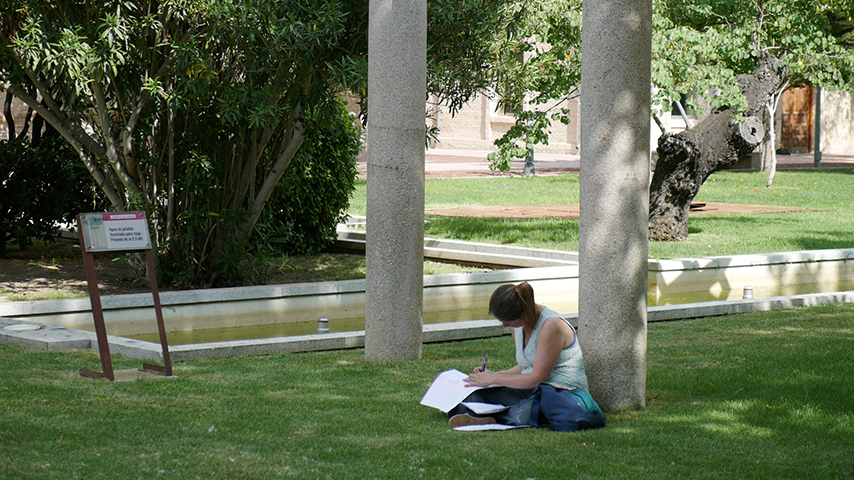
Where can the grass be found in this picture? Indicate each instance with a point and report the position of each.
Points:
(333, 267)
(764, 395)
(11, 296)
(827, 226)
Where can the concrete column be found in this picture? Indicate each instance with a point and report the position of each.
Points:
(613, 251)
(397, 84)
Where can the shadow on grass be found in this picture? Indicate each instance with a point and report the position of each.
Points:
(820, 240)
(504, 231)
(764, 395)
(762, 384)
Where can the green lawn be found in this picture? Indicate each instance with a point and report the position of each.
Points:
(765, 396)
(829, 224)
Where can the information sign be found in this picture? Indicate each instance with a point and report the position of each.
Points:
(114, 231)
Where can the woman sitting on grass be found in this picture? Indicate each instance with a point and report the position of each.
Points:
(547, 352)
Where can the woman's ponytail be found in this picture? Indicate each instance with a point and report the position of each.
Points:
(526, 297)
(509, 302)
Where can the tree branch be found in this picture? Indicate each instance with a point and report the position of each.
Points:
(111, 151)
(68, 131)
(294, 135)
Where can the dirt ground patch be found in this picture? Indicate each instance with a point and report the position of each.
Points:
(56, 271)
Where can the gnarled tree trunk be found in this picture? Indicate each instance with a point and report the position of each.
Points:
(687, 159)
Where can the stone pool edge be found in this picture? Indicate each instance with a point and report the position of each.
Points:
(54, 338)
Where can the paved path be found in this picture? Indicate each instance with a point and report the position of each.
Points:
(473, 163)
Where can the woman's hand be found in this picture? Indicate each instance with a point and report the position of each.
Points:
(480, 378)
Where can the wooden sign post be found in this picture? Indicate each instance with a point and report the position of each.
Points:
(122, 232)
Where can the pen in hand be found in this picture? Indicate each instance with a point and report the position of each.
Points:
(470, 382)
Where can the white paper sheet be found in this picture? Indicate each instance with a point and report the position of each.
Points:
(447, 391)
(484, 408)
(491, 426)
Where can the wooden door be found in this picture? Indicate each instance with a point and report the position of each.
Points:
(797, 120)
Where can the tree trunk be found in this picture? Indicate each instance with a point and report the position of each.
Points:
(687, 159)
(10, 119)
(772, 141)
(771, 108)
(295, 131)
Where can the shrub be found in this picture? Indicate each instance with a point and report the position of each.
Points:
(315, 191)
(40, 187)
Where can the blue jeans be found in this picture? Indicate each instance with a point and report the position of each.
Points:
(518, 400)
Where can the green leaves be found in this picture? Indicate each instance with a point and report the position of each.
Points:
(460, 48)
(316, 190)
(187, 106)
(43, 185)
(537, 68)
(73, 46)
(700, 46)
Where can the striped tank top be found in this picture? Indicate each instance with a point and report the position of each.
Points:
(569, 372)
